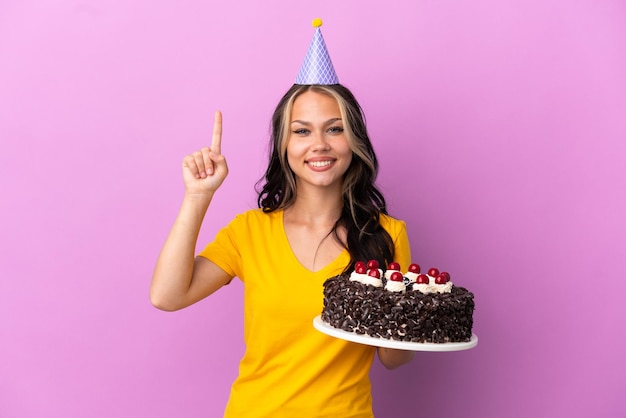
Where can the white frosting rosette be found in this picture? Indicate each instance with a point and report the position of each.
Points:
(388, 273)
(372, 281)
(414, 271)
(366, 279)
(433, 287)
(396, 285)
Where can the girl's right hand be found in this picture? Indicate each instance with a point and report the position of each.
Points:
(205, 170)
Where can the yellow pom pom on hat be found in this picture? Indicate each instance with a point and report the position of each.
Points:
(317, 68)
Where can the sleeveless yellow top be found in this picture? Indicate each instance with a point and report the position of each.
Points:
(290, 369)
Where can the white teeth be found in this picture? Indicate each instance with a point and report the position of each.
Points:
(319, 163)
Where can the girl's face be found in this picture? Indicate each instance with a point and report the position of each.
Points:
(317, 149)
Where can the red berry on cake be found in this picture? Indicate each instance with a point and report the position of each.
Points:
(372, 264)
(446, 274)
(374, 273)
(360, 268)
(422, 279)
(414, 268)
(433, 272)
(441, 279)
(394, 266)
(396, 276)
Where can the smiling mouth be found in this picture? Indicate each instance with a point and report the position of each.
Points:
(320, 163)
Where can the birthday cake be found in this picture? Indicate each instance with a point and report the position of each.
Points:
(411, 307)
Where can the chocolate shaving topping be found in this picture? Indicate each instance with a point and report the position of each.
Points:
(411, 316)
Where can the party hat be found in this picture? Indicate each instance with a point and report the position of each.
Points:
(317, 67)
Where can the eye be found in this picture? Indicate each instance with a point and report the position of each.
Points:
(335, 130)
(301, 131)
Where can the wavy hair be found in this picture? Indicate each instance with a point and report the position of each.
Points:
(363, 203)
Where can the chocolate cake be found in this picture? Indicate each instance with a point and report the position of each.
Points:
(410, 307)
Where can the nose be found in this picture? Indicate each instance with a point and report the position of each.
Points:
(320, 142)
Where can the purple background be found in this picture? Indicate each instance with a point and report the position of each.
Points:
(501, 130)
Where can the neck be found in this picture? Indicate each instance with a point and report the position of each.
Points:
(317, 206)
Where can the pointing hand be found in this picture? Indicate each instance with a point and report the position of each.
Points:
(205, 170)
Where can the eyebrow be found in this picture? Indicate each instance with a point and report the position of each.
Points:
(328, 122)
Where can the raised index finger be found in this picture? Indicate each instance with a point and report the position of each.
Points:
(216, 145)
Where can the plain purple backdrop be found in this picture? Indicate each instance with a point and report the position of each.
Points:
(501, 132)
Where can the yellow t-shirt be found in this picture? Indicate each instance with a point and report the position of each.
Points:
(290, 369)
